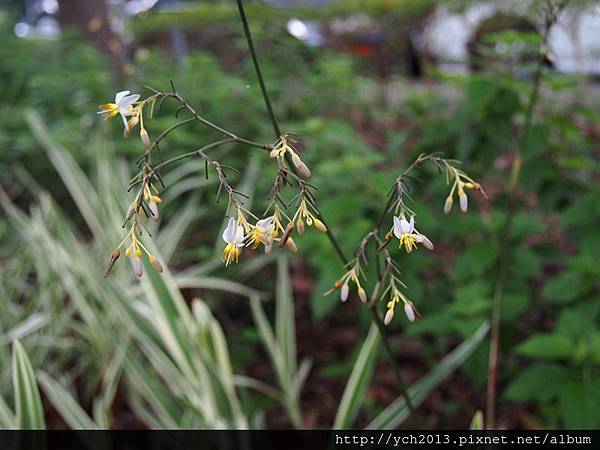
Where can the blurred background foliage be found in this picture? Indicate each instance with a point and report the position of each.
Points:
(109, 346)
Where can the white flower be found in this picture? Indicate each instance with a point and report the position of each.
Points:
(233, 235)
(407, 234)
(262, 233)
(123, 105)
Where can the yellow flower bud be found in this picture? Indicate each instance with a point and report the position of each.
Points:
(362, 294)
(300, 226)
(320, 226)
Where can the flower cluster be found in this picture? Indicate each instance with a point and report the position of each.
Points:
(239, 232)
(284, 147)
(343, 284)
(409, 308)
(127, 106)
(409, 238)
(461, 184)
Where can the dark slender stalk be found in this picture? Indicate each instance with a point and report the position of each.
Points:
(390, 353)
(330, 236)
(551, 17)
(214, 126)
(198, 152)
(261, 80)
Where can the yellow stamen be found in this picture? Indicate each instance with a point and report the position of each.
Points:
(231, 253)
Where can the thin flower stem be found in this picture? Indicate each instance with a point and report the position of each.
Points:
(550, 20)
(388, 350)
(214, 126)
(330, 236)
(261, 80)
(198, 152)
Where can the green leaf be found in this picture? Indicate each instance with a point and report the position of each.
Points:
(358, 382)
(28, 404)
(514, 305)
(65, 404)
(528, 385)
(580, 404)
(474, 261)
(524, 263)
(285, 330)
(398, 412)
(575, 324)
(546, 346)
(477, 421)
(563, 288)
(525, 224)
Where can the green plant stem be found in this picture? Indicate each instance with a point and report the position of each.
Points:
(506, 230)
(330, 236)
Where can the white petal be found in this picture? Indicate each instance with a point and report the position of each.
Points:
(126, 102)
(238, 239)
(267, 224)
(125, 124)
(397, 227)
(411, 225)
(120, 96)
(404, 226)
(229, 232)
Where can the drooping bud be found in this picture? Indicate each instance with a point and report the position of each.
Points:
(154, 262)
(320, 226)
(344, 292)
(448, 204)
(300, 226)
(268, 247)
(138, 268)
(464, 201)
(411, 311)
(144, 137)
(426, 242)
(301, 166)
(389, 315)
(292, 245)
(362, 294)
(113, 259)
(154, 210)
